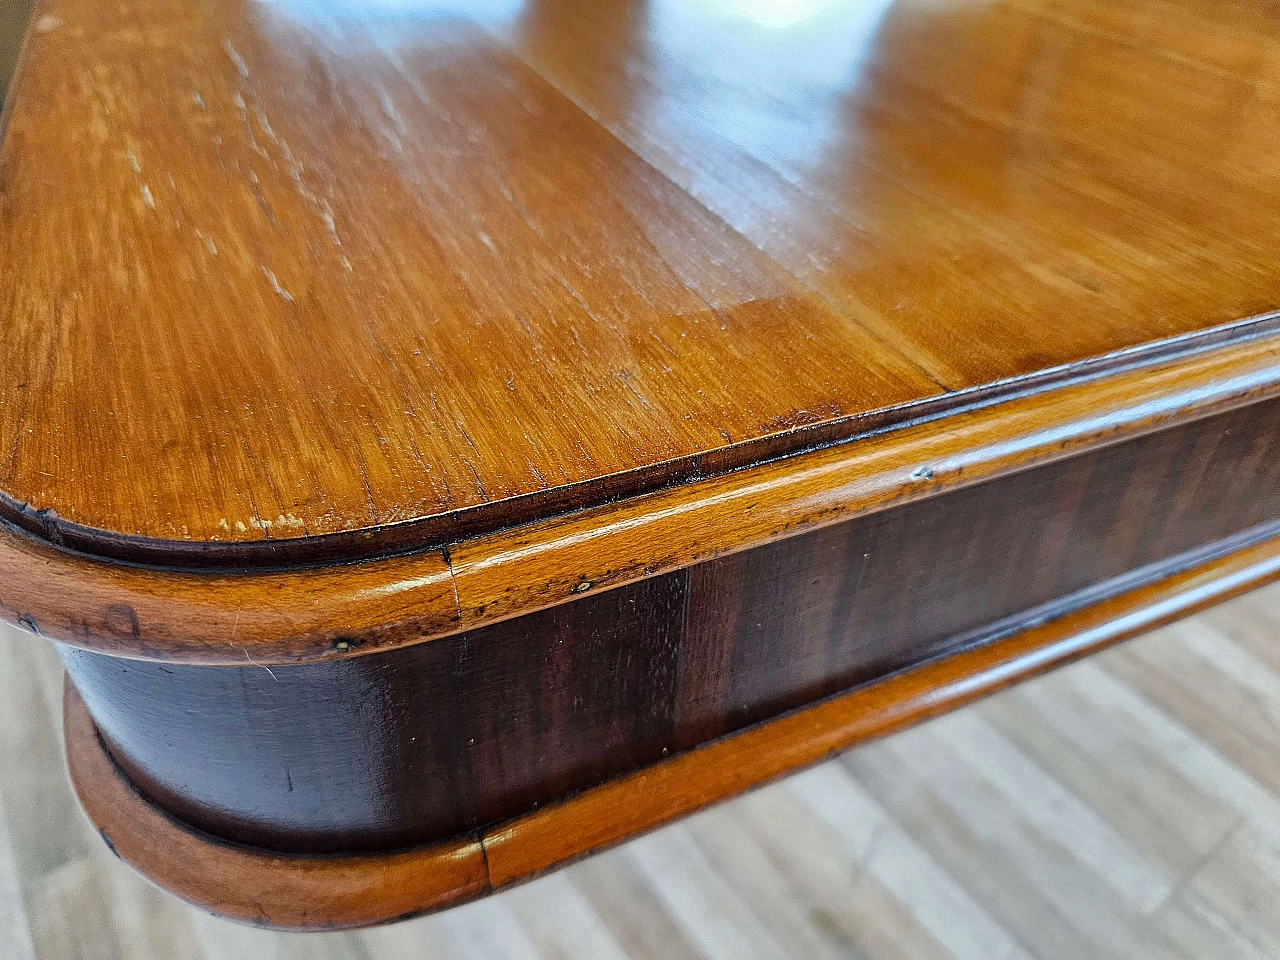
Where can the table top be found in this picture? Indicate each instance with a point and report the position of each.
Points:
(290, 280)
(518, 301)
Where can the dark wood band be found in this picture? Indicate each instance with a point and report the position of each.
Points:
(426, 742)
(254, 886)
(328, 892)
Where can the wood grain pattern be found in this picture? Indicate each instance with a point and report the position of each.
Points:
(994, 187)
(389, 750)
(349, 285)
(434, 739)
(411, 419)
(367, 284)
(333, 612)
(622, 808)
(263, 888)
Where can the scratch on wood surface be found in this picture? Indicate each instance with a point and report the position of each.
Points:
(241, 67)
(275, 285)
(257, 664)
(207, 241)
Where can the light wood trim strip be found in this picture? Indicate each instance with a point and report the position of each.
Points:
(289, 616)
(512, 573)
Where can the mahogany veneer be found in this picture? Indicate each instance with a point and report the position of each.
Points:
(445, 442)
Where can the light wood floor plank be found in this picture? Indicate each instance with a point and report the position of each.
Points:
(69, 916)
(15, 931)
(702, 900)
(1119, 770)
(628, 905)
(46, 831)
(488, 930)
(1240, 883)
(1031, 880)
(1055, 811)
(899, 865)
(1225, 713)
(847, 901)
(768, 885)
(560, 922)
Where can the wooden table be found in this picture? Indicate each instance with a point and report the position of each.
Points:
(448, 439)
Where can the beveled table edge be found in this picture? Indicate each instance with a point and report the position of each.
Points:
(324, 613)
(321, 893)
(282, 616)
(268, 617)
(285, 550)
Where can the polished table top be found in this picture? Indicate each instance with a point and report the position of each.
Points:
(701, 387)
(290, 281)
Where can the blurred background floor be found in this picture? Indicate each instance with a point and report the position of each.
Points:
(1127, 806)
(13, 23)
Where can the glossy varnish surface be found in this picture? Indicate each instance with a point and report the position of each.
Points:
(281, 270)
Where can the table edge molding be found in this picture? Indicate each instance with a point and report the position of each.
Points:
(266, 617)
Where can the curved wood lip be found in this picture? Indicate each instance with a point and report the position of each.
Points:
(324, 613)
(321, 893)
(255, 886)
(436, 530)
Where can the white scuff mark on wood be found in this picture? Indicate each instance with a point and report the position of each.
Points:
(318, 203)
(47, 23)
(284, 520)
(146, 197)
(264, 123)
(391, 111)
(207, 241)
(238, 60)
(275, 285)
(326, 214)
(238, 100)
